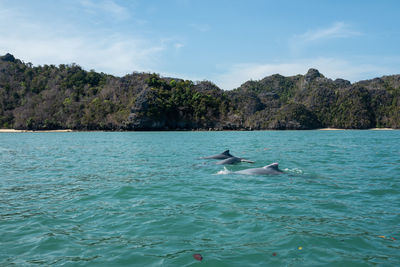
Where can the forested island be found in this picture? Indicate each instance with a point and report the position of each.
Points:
(53, 97)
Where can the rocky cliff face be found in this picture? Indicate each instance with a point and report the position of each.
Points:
(324, 102)
(66, 96)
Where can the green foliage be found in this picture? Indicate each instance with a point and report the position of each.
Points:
(67, 96)
(67, 102)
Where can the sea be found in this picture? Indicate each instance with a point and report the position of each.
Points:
(149, 199)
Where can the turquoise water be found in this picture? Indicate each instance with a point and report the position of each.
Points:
(147, 199)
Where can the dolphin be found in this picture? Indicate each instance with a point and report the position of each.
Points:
(269, 169)
(223, 155)
(233, 160)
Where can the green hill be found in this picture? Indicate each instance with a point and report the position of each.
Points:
(68, 97)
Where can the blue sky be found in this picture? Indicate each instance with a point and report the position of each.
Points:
(227, 42)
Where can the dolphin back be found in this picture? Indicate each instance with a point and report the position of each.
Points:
(226, 153)
(223, 155)
(230, 160)
(269, 169)
(273, 166)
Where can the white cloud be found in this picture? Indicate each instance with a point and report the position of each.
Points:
(178, 45)
(330, 67)
(337, 30)
(117, 56)
(42, 43)
(106, 6)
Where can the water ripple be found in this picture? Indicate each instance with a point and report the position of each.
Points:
(147, 199)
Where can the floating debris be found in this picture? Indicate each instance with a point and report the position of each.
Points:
(300, 248)
(198, 257)
(274, 254)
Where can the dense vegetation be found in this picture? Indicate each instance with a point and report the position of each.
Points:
(68, 97)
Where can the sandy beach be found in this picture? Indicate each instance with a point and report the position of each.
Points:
(331, 129)
(30, 131)
(339, 129)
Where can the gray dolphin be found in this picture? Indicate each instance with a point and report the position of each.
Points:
(233, 160)
(269, 169)
(223, 155)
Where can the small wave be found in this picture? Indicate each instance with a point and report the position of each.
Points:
(224, 171)
(294, 171)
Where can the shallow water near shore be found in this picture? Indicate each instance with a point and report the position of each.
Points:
(147, 199)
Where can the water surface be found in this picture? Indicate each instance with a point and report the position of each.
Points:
(147, 199)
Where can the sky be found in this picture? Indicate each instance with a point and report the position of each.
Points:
(224, 41)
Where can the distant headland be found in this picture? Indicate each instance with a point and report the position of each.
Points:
(66, 97)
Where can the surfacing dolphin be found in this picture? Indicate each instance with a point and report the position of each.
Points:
(223, 155)
(269, 169)
(233, 160)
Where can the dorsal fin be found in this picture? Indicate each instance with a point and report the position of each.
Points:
(274, 166)
(226, 152)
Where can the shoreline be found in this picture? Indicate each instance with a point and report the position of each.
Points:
(340, 129)
(70, 130)
(32, 131)
(331, 129)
